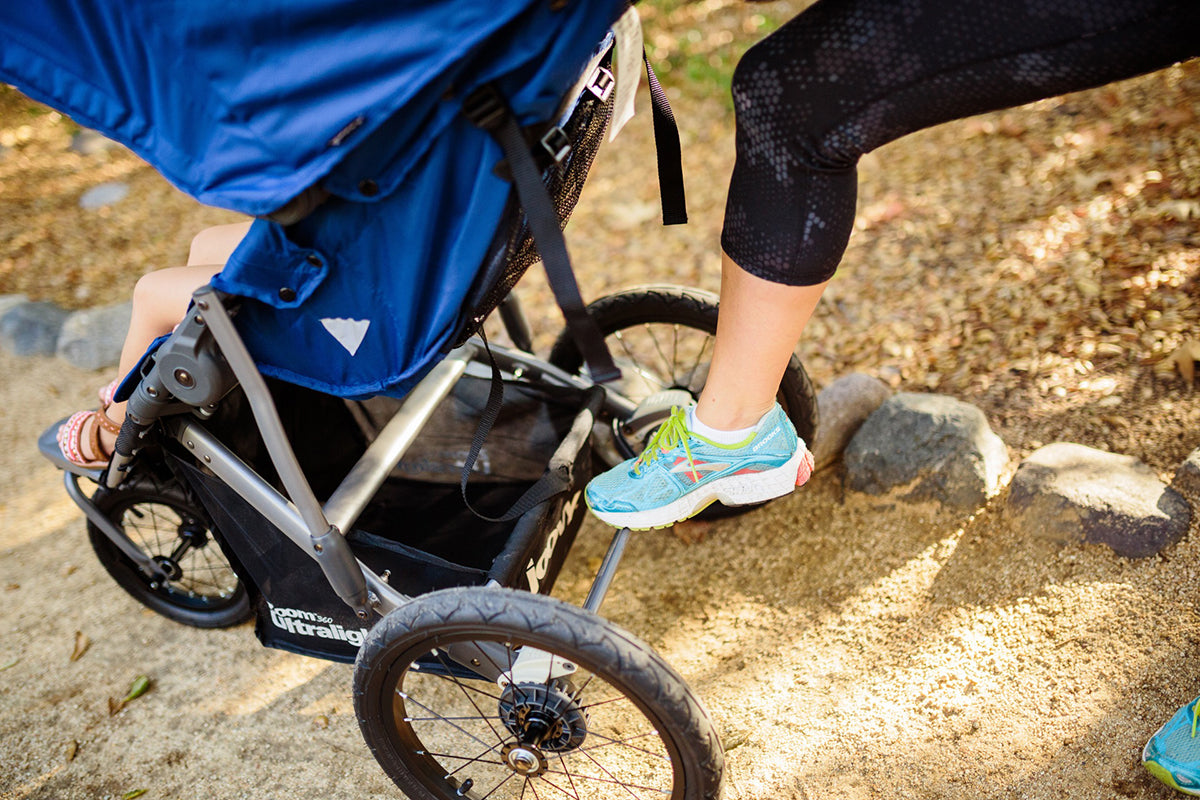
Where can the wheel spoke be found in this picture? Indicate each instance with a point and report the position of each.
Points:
(612, 779)
(610, 742)
(467, 695)
(658, 348)
(458, 728)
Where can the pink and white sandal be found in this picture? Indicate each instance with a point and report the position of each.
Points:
(71, 433)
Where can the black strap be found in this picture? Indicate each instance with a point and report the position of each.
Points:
(670, 153)
(486, 108)
(553, 481)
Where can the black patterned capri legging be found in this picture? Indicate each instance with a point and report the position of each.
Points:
(847, 76)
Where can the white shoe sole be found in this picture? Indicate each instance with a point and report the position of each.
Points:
(736, 490)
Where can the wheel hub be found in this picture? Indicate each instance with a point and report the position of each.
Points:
(170, 569)
(524, 760)
(543, 718)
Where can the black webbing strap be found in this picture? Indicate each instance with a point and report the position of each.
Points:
(670, 154)
(553, 481)
(487, 109)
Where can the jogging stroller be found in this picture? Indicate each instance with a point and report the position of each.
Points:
(283, 460)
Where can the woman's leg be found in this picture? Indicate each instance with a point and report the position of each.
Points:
(848, 76)
(839, 80)
(757, 329)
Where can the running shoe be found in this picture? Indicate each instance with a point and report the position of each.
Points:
(1173, 753)
(680, 473)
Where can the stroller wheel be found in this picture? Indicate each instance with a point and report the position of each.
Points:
(201, 589)
(503, 694)
(662, 339)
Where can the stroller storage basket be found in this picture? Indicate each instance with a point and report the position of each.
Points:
(416, 532)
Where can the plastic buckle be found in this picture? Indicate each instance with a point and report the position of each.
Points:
(602, 83)
(485, 108)
(557, 144)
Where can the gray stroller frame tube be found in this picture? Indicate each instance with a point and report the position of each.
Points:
(327, 544)
(384, 453)
(266, 500)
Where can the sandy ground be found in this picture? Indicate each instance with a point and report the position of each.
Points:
(846, 646)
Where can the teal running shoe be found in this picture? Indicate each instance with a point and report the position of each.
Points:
(680, 473)
(1173, 753)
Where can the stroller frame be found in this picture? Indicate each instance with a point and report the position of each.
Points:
(317, 530)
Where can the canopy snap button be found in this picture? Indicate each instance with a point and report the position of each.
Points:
(368, 187)
(287, 295)
(313, 259)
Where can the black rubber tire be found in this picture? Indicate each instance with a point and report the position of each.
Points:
(385, 702)
(686, 308)
(163, 507)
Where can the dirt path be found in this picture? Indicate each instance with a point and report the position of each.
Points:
(847, 646)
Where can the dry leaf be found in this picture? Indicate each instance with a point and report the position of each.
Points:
(115, 706)
(72, 750)
(1185, 357)
(690, 531)
(82, 643)
(321, 721)
(133, 793)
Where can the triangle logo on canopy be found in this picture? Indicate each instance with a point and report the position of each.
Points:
(348, 332)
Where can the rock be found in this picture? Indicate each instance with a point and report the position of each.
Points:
(842, 407)
(31, 329)
(1187, 478)
(929, 447)
(104, 194)
(8, 301)
(1070, 493)
(88, 143)
(92, 339)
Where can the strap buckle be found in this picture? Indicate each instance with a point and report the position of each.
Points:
(485, 108)
(602, 83)
(557, 144)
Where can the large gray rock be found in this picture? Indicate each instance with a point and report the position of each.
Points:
(8, 301)
(1070, 493)
(927, 447)
(842, 407)
(31, 329)
(1187, 478)
(92, 339)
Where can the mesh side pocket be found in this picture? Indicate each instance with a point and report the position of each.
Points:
(513, 250)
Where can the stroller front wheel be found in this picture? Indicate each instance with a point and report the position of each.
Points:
(201, 588)
(556, 702)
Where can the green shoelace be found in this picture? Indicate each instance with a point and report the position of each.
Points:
(1195, 718)
(669, 435)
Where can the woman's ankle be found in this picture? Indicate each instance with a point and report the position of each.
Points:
(731, 417)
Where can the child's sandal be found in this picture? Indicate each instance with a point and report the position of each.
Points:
(71, 433)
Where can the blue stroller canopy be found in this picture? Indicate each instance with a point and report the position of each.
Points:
(245, 104)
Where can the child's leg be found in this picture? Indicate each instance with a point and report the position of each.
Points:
(160, 299)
